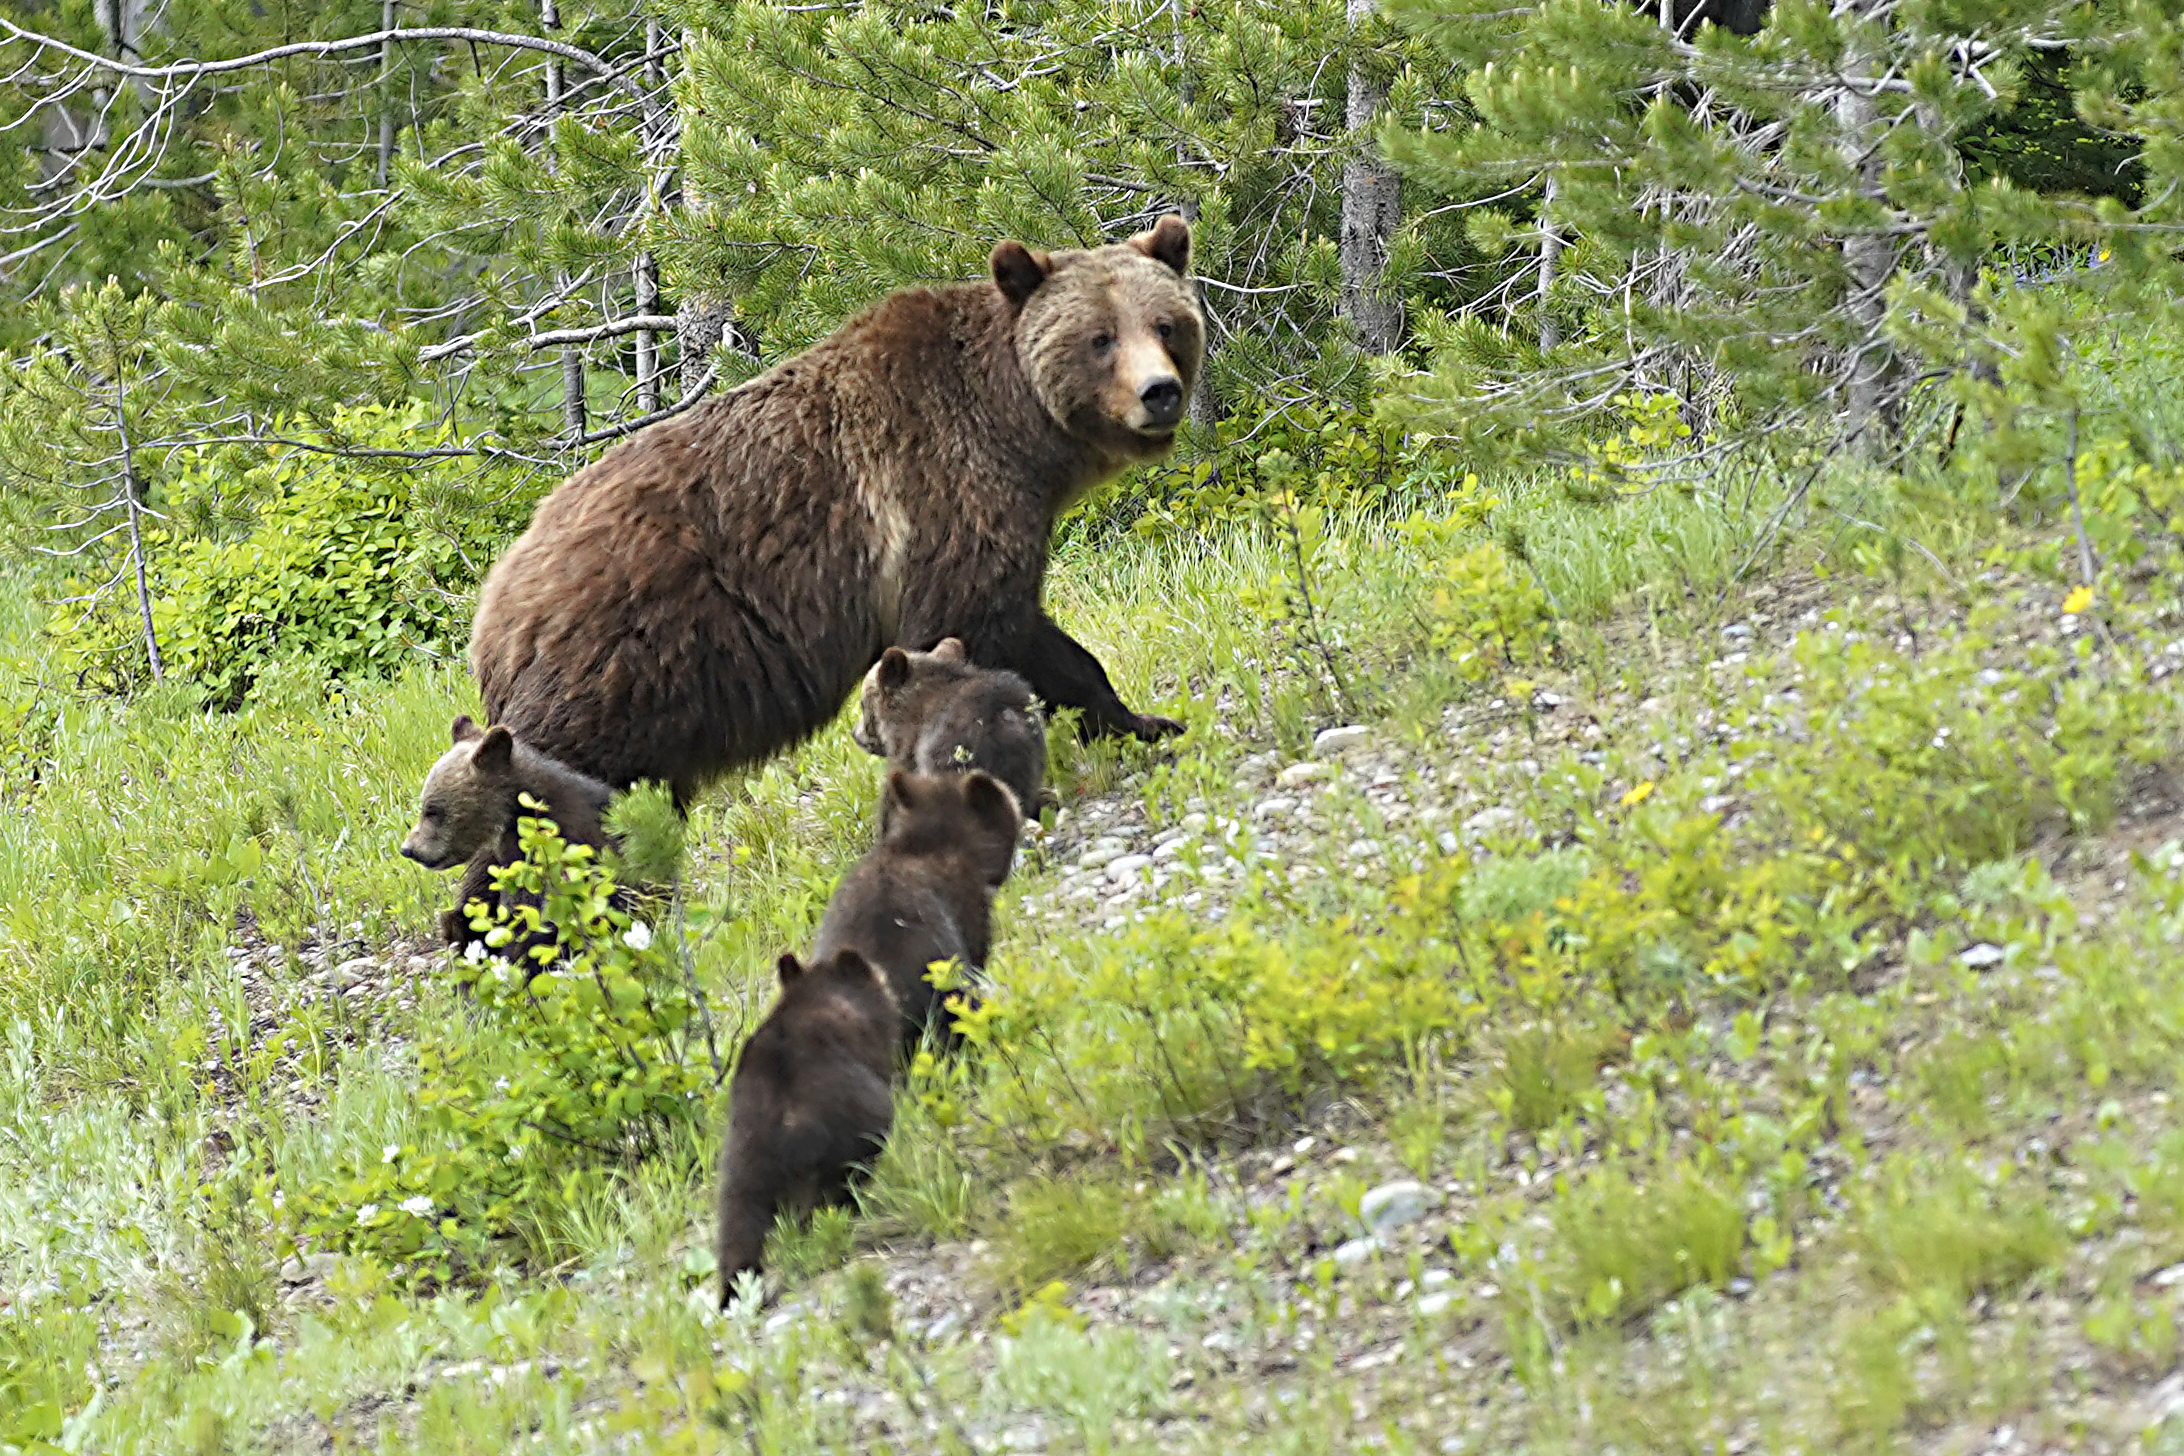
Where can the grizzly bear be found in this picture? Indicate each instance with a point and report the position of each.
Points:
(713, 589)
(469, 811)
(809, 1102)
(937, 712)
(924, 893)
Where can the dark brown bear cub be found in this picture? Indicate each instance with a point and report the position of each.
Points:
(809, 1104)
(711, 591)
(925, 892)
(938, 712)
(469, 811)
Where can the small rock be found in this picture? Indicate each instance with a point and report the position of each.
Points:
(1355, 1252)
(1024, 1438)
(1168, 851)
(943, 1327)
(1259, 768)
(1299, 774)
(1435, 1278)
(1737, 631)
(1332, 741)
(1392, 1205)
(357, 969)
(1272, 806)
(1125, 869)
(1982, 955)
(1195, 823)
(1492, 820)
(1431, 1305)
(1448, 841)
(1100, 852)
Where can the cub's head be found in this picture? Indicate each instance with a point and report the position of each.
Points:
(467, 798)
(846, 976)
(887, 709)
(972, 815)
(1111, 337)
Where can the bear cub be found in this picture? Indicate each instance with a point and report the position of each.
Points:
(469, 811)
(937, 712)
(810, 1102)
(925, 892)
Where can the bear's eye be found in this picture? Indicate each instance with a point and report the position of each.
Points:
(1101, 343)
(1164, 328)
(431, 815)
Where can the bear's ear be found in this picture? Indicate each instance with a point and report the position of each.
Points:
(1169, 242)
(1018, 271)
(850, 962)
(894, 670)
(496, 750)
(949, 649)
(465, 730)
(788, 967)
(992, 803)
(899, 797)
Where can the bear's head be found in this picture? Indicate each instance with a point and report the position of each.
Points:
(1110, 337)
(892, 687)
(972, 816)
(468, 797)
(846, 980)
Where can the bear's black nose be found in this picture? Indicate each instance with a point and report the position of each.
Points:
(1163, 401)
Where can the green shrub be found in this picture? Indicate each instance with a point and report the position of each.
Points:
(1630, 1238)
(357, 566)
(588, 1061)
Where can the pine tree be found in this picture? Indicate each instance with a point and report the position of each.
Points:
(1771, 230)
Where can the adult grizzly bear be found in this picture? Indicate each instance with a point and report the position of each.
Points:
(711, 591)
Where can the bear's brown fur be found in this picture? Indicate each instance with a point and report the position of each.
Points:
(810, 1102)
(469, 809)
(938, 712)
(924, 893)
(711, 591)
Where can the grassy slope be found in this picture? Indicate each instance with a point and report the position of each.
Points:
(1730, 1145)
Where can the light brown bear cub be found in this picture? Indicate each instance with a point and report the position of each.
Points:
(925, 892)
(938, 712)
(810, 1102)
(469, 811)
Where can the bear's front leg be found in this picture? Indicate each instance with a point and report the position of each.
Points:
(477, 881)
(1066, 675)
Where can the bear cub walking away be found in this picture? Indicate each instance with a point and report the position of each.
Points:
(924, 893)
(469, 811)
(809, 1103)
(937, 712)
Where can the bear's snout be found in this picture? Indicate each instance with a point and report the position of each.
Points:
(1163, 401)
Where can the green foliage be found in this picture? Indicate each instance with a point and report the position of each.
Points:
(1630, 1238)
(1745, 230)
(586, 1059)
(357, 568)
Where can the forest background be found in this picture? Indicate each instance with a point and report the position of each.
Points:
(1545, 342)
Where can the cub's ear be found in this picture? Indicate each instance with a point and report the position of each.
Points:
(496, 750)
(901, 796)
(1169, 242)
(949, 649)
(465, 730)
(893, 671)
(1018, 271)
(851, 962)
(992, 803)
(788, 967)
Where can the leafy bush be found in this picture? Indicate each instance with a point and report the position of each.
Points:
(591, 1059)
(359, 567)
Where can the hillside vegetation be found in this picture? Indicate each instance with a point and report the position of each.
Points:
(1768, 984)
(1662, 932)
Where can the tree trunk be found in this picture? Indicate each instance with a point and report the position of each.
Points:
(572, 359)
(646, 270)
(386, 94)
(1371, 210)
(1873, 393)
(1550, 257)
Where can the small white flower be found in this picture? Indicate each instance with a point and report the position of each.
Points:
(367, 1213)
(474, 952)
(417, 1207)
(638, 936)
(390, 1152)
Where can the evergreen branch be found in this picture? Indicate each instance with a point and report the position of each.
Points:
(692, 396)
(192, 70)
(631, 324)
